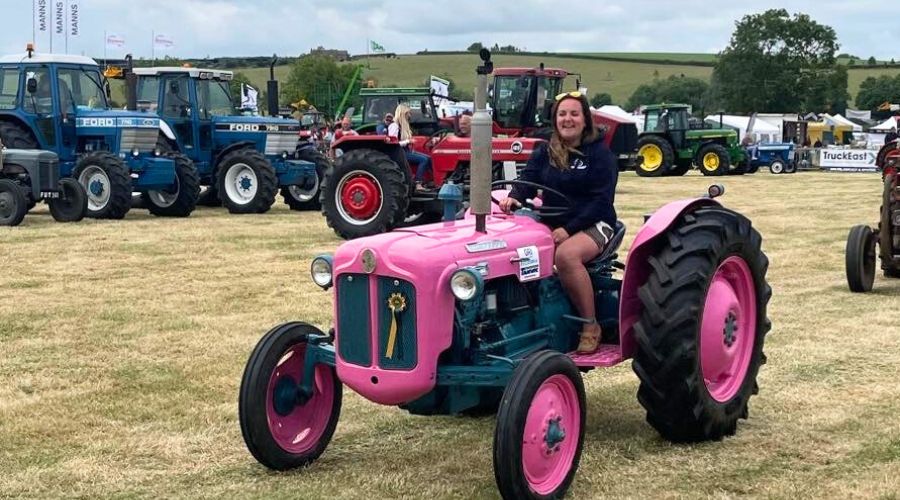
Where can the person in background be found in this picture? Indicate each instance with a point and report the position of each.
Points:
(749, 145)
(402, 131)
(891, 136)
(345, 129)
(382, 128)
(465, 126)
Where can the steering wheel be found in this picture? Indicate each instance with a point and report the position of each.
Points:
(543, 210)
(441, 133)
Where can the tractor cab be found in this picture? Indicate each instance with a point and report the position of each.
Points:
(672, 120)
(522, 98)
(379, 101)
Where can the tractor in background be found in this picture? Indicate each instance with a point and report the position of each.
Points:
(468, 316)
(28, 176)
(371, 188)
(59, 103)
(865, 243)
(242, 160)
(669, 145)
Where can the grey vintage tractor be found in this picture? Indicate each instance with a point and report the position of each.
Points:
(30, 176)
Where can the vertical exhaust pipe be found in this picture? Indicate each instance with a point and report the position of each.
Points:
(480, 189)
(272, 88)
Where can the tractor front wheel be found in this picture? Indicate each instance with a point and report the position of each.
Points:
(700, 334)
(246, 182)
(106, 180)
(283, 428)
(364, 194)
(71, 206)
(658, 156)
(713, 160)
(181, 199)
(307, 198)
(13, 205)
(540, 428)
(859, 258)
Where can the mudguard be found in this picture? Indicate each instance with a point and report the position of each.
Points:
(636, 269)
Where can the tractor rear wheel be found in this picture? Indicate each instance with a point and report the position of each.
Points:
(859, 258)
(658, 156)
(713, 160)
(282, 428)
(776, 167)
(106, 180)
(71, 206)
(890, 204)
(13, 205)
(181, 199)
(540, 428)
(15, 137)
(364, 194)
(246, 182)
(700, 334)
(307, 198)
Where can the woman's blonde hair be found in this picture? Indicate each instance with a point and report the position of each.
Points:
(401, 118)
(559, 151)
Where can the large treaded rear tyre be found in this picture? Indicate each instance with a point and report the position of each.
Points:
(364, 194)
(106, 180)
(886, 228)
(700, 335)
(246, 182)
(15, 137)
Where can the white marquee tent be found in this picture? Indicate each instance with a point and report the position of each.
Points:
(762, 131)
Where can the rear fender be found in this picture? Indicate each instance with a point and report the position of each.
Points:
(637, 269)
(232, 147)
(167, 131)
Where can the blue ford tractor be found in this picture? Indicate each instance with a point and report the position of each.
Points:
(243, 160)
(59, 103)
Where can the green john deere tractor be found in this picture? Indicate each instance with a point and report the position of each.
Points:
(670, 145)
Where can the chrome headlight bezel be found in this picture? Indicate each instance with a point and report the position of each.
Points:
(321, 270)
(466, 284)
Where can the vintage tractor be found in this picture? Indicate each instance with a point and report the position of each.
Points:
(467, 315)
(669, 145)
(59, 103)
(864, 242)
(779, 158)
(242, 160)
(28, 176)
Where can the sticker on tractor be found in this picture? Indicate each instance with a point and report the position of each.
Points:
(529, 263)
(516, 147)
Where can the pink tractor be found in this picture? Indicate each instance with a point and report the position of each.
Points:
(467, 316)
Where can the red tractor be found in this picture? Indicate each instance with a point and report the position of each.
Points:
(370, 190)
(863, 240)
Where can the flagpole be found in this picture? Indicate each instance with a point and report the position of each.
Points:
(34, 22)
(105, 62)
(152, 47)
(66, 26)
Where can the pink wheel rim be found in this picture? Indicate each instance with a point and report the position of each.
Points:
(728, 329)
(361, 196)
(550, 438)
(299, 430)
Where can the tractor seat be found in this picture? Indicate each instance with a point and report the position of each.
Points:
(609, 253)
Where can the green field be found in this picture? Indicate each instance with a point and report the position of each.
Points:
(618, 78)
(123, 344)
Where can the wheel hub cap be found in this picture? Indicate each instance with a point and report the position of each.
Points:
(97, 188)
(361, 197)
(547, 454)
(245, 183)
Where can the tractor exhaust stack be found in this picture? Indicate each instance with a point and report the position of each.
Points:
(272, 88)
(480, 189)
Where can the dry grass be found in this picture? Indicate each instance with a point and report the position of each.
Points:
(123, 344)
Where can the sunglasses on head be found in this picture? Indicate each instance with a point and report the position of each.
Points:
(575, 93)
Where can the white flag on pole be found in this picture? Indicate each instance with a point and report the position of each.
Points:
(114, 41)
(440, 88)
(161, 41)
(248, 97)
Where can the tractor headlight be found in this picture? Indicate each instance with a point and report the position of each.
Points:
(338, 152)
(466, 284)
(321, 271)
(157, 152)
(135, 152)
(284, 155)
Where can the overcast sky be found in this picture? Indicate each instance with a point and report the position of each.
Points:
(291, 27)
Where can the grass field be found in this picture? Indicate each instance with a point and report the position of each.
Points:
(123, 344)
(618, 78)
